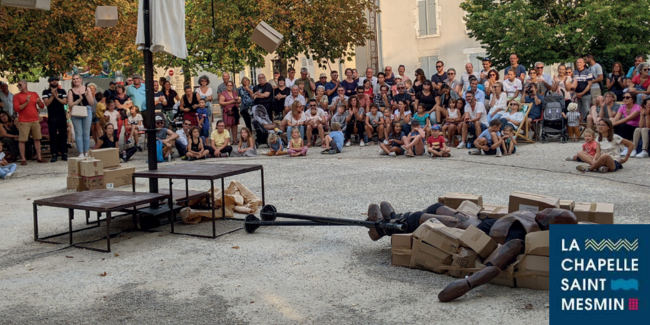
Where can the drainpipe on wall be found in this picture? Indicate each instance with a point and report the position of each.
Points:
(379, 42)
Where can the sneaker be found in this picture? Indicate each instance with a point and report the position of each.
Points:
(382, 153)
(386, 142)
(325, 152)
(499, 152)
(475, 152)
(643, 154)
(53, 158)
(333, 152)
(569, 158)
(86, 155)
(64, 157)
(139, 148)
(8, 176)
(190, 158)
(392, 154)
(582, 168)
(603, 169)
(225, 155)
(347, 144)
(633, 154)
(361, 143)
(624, 152)
(184, 158)
(461, 145)
(81, 155)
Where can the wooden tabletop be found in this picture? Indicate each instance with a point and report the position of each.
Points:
(101, 200)
(198, 171)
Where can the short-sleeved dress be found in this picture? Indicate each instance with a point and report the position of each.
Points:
(229, 114)
(247, 153)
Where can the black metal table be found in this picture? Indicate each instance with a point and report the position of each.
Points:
(100, 201)
(200, 171)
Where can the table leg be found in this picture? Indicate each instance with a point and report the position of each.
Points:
(262, 171)
(70, 217)
(35, 221)
(171, 204)
(87, 217)
(99, 214)
(108, 231)
(223, 207)
(133, 183)
(187, 193)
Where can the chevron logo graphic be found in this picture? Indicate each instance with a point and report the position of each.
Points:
(611, 245)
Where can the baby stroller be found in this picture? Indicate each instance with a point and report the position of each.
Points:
(262, 125)
(553, 124)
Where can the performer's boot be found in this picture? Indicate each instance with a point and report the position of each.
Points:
(551, 216)
(387, 210)
(374, 214)
(505, 256)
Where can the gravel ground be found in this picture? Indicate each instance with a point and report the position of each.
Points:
(317, 275)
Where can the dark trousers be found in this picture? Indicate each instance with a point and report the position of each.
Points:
(181, 148)
(247, 118)
(58, 135)
(227, 149)
(350, 129)
(128, 153)
(625, 130)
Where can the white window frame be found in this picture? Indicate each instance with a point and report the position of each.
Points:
(438, 18)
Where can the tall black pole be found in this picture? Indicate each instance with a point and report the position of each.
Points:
(151, 109)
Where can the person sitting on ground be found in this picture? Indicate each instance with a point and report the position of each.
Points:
(334, 141)
(355, 122)
(296, 146)
(454, 117)
(589, 149)
(414, 141)
(509, 140)
(608, 157)
(135, 126)
(195, 150)
(9, 135)
(246, 147)
(375, 123)
(436, 144)
(627, 119)
(643, 131)
(341, 117)
(220, 141)
(475, 119)
(514, 117)
(315, 121)
(489, 141)
(393, 146)
(167, 136)
(422, 116)
(573, 122)
(7, 170)
(183, 139)
(203, 118)
(109, 140)
(276, 146)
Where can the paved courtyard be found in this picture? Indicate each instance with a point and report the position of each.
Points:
(316, 275)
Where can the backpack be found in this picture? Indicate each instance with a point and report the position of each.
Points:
(553, 106)
(159, 151)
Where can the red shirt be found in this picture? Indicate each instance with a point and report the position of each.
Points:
(29, 113)
(436, 143)
(590, 148)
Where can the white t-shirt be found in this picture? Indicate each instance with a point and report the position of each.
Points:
(112, 117)
(519, 117)
(500, 103)
(289, 117)
(289, 100)
(453, 113)
(613, 149)
(204, 95)
(289, 83)
(511, 87)
(479, 108)
(136, 121)
(596, 70)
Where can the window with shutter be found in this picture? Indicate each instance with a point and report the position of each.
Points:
(427, 18)
(428, 65)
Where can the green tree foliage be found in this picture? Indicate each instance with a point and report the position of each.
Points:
(555, 31)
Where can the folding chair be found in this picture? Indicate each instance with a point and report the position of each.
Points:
(524, 136)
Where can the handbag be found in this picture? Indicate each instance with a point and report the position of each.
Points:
(79, 111)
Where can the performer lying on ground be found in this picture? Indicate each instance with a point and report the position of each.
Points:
(509, 231)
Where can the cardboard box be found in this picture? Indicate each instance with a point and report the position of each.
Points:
(521, 201)
(464, 259)
(427, 257)
(266, 37)
(73, 166)
(537, 243)
(478, 241)
(75, 183)
(401, 241)
(504, 280)
(601, 213)
(439, 236)
(110, 157)
(567, 204)
(470, 208)
(91, 168)
(532, 272)
(454, 200)
(120, 176)
(106, 16)
(94, 183)
(401, 257)
(494, 211)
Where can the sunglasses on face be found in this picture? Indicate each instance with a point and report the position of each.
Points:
(188, 124)
(438, 66)
(627, 97)
(312, 105)
(644, 69)
(450, 74)
(157, 123)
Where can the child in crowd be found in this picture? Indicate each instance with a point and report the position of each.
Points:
(608, 153)
(275, 143)
(135, 126)
(6, 169)
(316, 118)
(573, 121)
(109, 140)
(423, 117)
(296, 146)
(246, 146)
(68, 116)
(111, 115)
(415, 139)
(489, 142)
(195, 149)
(202, 117)
(393, 146)
(340, 117)
(436, 144)
(409, 87)
(509, 140)
(451, 123)
(334, 141)
(589, 149)
(375, 123)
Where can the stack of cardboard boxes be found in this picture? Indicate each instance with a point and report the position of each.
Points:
(99, 171)
(460, 253)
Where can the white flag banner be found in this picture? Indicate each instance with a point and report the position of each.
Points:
(167, 27)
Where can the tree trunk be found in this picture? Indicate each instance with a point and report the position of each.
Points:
(187, 76)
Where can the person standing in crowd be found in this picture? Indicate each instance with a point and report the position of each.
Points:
(262, 94)
(228, 100)
(639, 86)
(616, 81)
(7, 99)
(9, 134)
(55, 99)
(138, 95)
(79, 95)
(245, 94)
(597, 74)
(582, 80)
(322, 80)
(189, 104)
(512, 86)
(389, 77)
(171, 97)
(369, 76)
(562, 84)
(279, 99)
(205, 92)
(635, 69)
(355, 76)
(332, 85)
(97, 122)
(291, 78)
(25, 103)
(465, 77)
(308, 83)
(225, 77)
(520, 70)
(274, 82)
(401, 71)
(159, 101)
(129, 82)
(439, 77)
(110, 93)
(348, 84)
